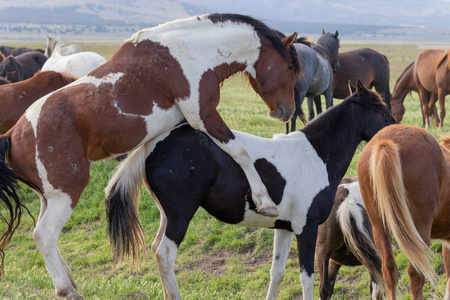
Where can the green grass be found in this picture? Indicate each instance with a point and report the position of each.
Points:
(216, 260)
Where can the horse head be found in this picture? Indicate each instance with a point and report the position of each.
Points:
(328, 45)
(375, 114)
(50, 45)
(277, 70)
(11, 69)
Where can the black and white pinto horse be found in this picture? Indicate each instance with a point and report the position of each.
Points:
(345, 239)
(184, 170)
(319, 60)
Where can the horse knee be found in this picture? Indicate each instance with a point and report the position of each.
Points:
(277, 273)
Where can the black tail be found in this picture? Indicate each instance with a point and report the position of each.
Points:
(9, 197)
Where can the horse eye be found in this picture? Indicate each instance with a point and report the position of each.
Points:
(386, 114)
(291, 68)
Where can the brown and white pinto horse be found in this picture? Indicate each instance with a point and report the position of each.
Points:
(432, 76)
(16, 97)
(158, 78)
(404, 176)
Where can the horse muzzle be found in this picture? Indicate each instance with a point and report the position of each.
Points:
(282, 113)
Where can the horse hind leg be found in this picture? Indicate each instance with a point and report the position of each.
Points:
(446, 255)
(53, 217)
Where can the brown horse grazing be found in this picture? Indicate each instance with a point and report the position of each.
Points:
(345, 239)
(432, 76)
(404, 176)
(15, 98)
(405, 84)
(157, 79)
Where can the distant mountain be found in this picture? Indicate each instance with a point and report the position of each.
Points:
(120, 18)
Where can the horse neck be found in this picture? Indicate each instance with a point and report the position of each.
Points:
(335, 135)
(404, 85)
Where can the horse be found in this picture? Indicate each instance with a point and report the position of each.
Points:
(405, 84)
(345, 238)
(22, 67)
(7, 50)
(431, 73)
(77, 64)
(15, 98)
(404, 175)
(54, 45)
(159, 78)
(319, 61)
(366, 64)
(301, 171)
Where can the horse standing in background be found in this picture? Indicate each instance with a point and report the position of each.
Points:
(7, 50)
(54, 45)
(432, 76)
(319, 61)
(405, 84)
(24, 66)
(366, 64)
(159, 78)
(183, 170)
(404, 177)
(345, 238)
(15, 98)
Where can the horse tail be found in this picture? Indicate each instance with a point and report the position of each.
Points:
(390, 197)
(122, 204)
(8, 196)
(351, 218)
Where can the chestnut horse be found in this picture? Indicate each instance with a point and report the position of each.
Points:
(345, 238)
(432, 76)
(406, 83)
(159, 78)
(184, 170)
(404, 176)
(15, 98)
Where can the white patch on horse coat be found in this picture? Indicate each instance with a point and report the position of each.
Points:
(298, 162)
(33, 112)
(307, 285)
(204, 50)
(350, 206)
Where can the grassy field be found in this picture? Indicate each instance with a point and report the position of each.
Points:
(216, 260)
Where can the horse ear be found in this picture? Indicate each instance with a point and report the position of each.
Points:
(290, 39)
(360, 88)
(323, 31)
(351, 88)
(336, 34)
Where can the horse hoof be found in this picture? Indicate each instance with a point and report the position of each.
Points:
(268, 211)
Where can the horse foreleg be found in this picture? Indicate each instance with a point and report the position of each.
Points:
(441, 98)
(56, 214)
(306, 245)
(281, 245)
(424, 96)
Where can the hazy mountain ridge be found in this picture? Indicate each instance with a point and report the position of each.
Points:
(120, 18)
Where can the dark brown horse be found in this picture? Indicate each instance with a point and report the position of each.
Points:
(366, 64)
(158, 78)
(22, 67)
(405, 84)
(345, 239)
(404, 176)
(15, 98)
(432, 76)
(16, 51)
